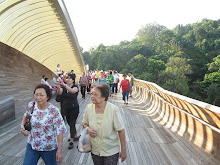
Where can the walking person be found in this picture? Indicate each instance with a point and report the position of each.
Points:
(70, 105)
(131, 80)
(83, 83)
(46, 136)
(104, 124)
(89, 83)
(59, 71)
(115, 83)
(125, 88)
(97, 75)
(110, 80)
(102, 78)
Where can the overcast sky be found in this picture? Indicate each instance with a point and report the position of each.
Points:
(112, 21)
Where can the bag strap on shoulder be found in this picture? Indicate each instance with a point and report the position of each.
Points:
(33, 107)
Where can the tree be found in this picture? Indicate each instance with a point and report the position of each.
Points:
(137, 64)
(215, 65)
(174, 78)
(148, 33)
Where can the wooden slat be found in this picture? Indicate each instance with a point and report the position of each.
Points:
(147, 141)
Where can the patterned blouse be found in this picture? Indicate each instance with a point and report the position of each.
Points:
(46, 125)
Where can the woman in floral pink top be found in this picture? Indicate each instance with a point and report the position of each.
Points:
(46, 136)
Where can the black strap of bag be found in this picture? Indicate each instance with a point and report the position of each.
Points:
(27, 124)
(33, 107)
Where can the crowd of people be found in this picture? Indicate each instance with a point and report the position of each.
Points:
(102, 119)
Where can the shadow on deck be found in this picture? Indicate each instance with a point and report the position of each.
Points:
(148, 141)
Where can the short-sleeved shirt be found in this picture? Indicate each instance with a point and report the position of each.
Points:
(102, 80)
(111, 77)
(125, 85)
(83, 81)
(46, 125)
(59, 71)
(97, 74)
(116, 78)
(131, 79)
(107, 142)
(70, 99)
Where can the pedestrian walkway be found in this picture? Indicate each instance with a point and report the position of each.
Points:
(148, 143)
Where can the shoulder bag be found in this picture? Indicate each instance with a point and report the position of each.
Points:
(27, 124)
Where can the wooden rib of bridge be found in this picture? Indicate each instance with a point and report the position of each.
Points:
(148, 143)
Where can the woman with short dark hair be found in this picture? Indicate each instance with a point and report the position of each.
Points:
(46, 136)
(70, 105)
(103, 122)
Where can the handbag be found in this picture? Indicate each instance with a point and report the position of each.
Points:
(27, 124)
(84, 144)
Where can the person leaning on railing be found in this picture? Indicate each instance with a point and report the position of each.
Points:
(46, 136)
(103, 122)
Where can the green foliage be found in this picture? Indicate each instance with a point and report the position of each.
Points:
(147, 76)
(148, 33)
(137, 64)
(213, 77)
(215, 65)
(174, 76)
(213, 94)
(185, 59)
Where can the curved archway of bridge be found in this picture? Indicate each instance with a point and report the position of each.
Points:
(37, 28)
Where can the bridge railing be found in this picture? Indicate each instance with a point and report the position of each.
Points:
(194, 120)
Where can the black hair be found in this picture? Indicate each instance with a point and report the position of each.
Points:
(46, 78)
(72, 76)
(43, 76)
(46, 88)
(103, 88)
(110, 72)
(130, 72)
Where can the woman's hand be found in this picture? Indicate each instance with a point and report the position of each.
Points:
(62, 83)
(123, 155)
(58, 84)
(59, 155)
(92, 132)
(23, 130)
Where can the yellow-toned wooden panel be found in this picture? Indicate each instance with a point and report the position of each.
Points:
(42, 30)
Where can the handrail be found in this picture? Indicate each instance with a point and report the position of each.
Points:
(195, 120)
(210, 107)
(184, 111)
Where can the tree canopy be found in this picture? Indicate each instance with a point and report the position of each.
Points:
(185, 60)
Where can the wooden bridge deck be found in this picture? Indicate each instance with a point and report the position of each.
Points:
(148, 143)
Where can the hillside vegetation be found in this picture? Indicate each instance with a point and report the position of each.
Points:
(185, 60)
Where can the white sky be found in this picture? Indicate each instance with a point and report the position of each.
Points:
(112, 21)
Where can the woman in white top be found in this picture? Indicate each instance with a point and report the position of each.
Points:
(104, 124)
(46, 136)
(59, 71)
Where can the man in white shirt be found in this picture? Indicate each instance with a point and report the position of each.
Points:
(43, 79)
(116, 81)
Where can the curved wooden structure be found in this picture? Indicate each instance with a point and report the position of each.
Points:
(19, 74)
(194, 120)
(41, 29)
